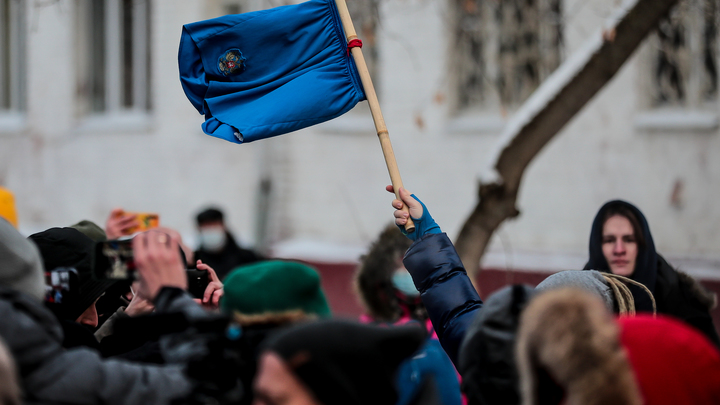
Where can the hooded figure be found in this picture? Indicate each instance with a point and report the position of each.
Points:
(20, 263)
(568, 352)
(68, 247)
(487, 355)
(571, 350)
(340, 362)
(676, 293)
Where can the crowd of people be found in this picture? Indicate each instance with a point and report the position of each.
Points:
(628, 329)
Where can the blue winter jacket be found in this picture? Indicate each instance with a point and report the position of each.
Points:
(449, 296)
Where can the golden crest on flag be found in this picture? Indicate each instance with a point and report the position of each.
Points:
(231, 62)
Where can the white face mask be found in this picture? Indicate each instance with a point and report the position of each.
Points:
(402, 280)
(212, 239)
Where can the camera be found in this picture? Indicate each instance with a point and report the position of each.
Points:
(62, 291)
(114, 260)
(62, 285)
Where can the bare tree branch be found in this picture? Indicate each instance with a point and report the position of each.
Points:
(546, 112)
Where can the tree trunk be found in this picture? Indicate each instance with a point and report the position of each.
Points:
(545, 113)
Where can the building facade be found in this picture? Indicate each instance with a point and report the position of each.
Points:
(92, 117)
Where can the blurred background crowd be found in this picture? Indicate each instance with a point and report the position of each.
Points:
(98, 143)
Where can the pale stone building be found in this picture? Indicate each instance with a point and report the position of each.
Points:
(92, 116)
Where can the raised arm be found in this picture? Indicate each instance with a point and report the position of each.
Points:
(449, 296)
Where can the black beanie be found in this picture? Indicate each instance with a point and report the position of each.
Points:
(345, 362)
(209, 215)
(68, 247)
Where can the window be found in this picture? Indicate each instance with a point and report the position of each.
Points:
(503, 50)
(113, 56)
(685, 56)
(679, 77)
(12, 56)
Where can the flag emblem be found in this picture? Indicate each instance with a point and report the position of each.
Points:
(231, 62)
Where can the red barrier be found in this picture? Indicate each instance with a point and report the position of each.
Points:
(337, 281)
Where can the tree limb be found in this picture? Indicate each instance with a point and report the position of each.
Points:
(545, 113)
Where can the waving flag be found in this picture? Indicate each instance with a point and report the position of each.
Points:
(267, 73)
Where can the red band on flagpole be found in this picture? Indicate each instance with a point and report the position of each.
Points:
(354, 43)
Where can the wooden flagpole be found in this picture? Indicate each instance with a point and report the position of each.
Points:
(372, 99)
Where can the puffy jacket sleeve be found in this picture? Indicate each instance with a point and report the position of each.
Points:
(449, 296)
(80, 376)
(51, 374)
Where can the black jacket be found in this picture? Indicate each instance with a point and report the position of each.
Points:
(676, 293)
(230, 257)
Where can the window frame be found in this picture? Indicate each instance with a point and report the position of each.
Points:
(695, 114)
(113, 106)
(13, 77)
(487, 112)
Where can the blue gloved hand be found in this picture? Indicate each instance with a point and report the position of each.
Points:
(424, 224)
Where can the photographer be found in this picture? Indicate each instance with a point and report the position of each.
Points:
(69, 248)
(52, 374)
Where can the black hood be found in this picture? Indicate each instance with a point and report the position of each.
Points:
(68, 247)
(646, 262)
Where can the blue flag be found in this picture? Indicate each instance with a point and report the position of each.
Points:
(267, 73)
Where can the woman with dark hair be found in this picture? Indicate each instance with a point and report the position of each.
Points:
(621, 243)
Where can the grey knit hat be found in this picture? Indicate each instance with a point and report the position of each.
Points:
(588, 280)
(20, 264)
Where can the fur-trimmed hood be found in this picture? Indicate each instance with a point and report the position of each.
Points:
(568, 347)
(570, 350)
(272, 319)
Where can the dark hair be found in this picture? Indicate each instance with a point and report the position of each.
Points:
(373, 277)
(624, 211)
(209, 215)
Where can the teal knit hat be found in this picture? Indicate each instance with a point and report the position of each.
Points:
(274, 287)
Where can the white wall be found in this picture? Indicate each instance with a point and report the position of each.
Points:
(329, 181)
